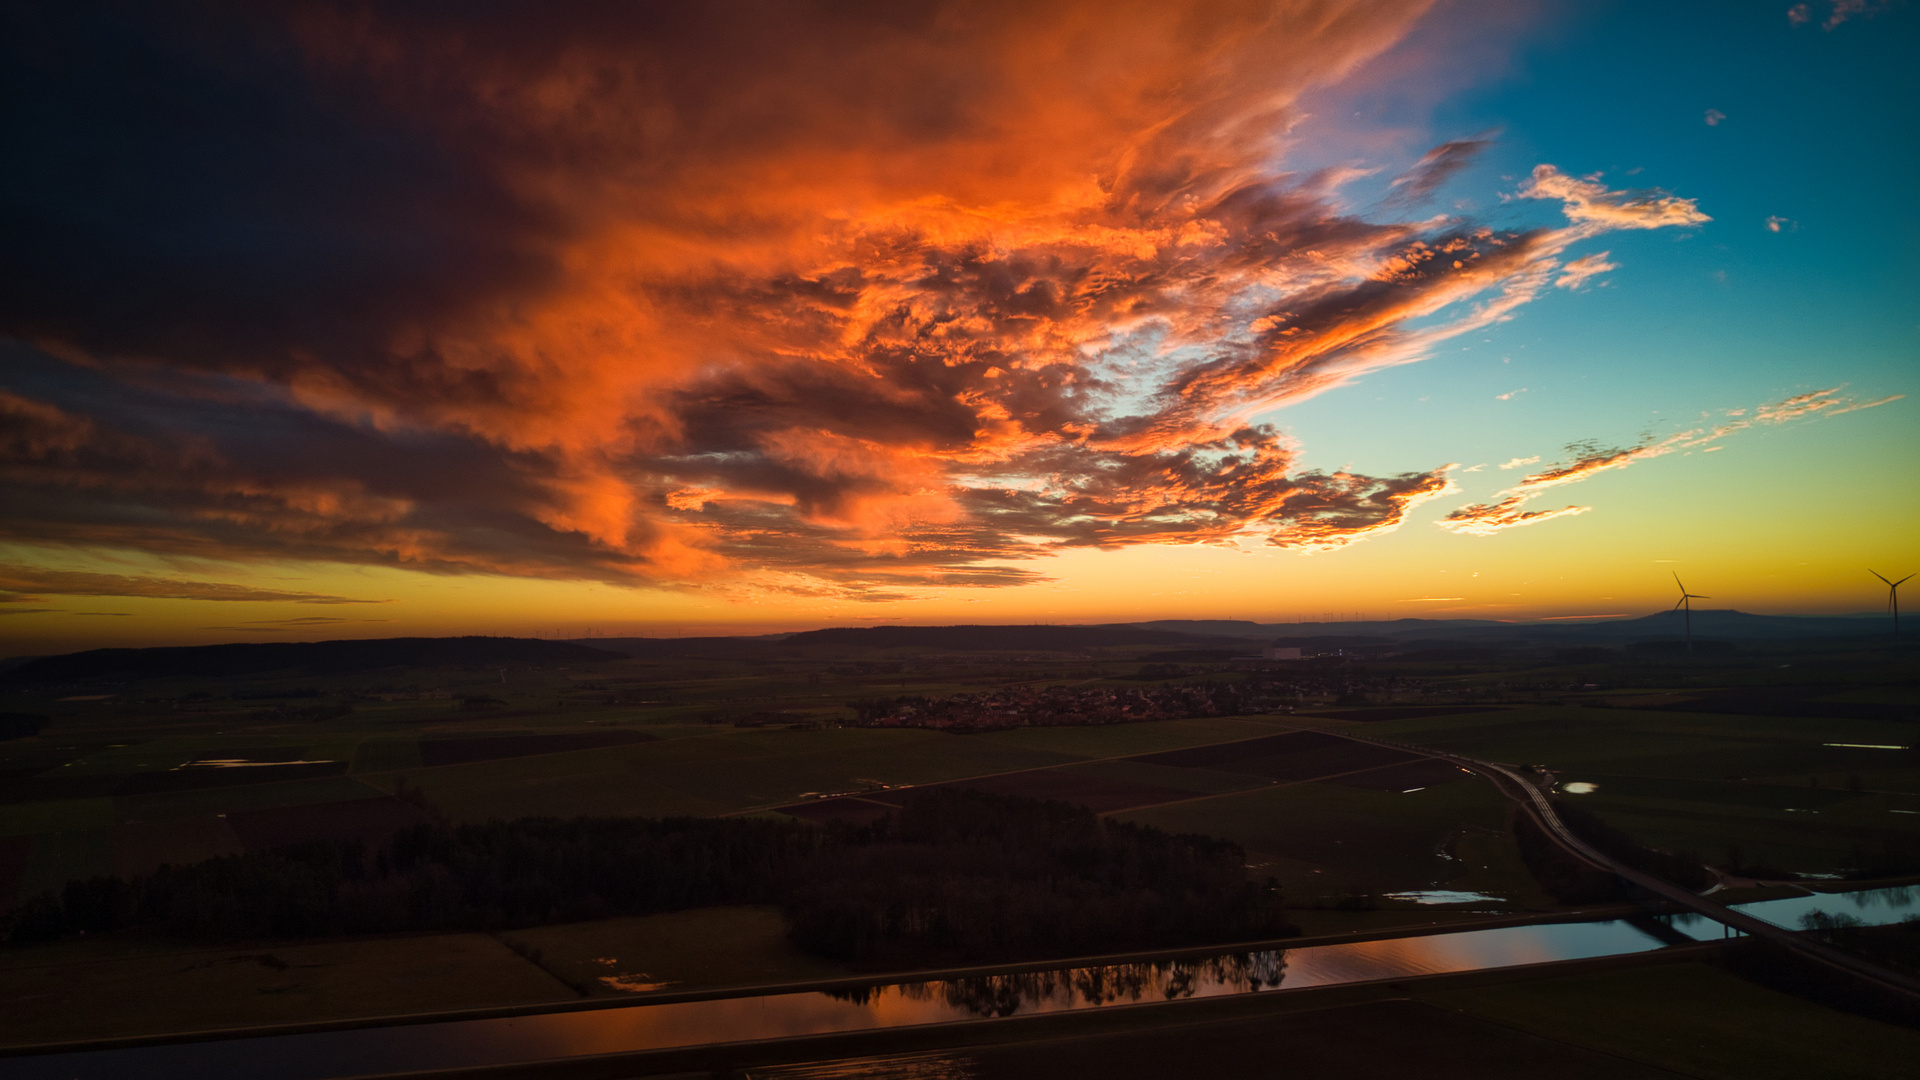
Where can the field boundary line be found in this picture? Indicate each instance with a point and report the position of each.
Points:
(1269, 786)
(762, 807)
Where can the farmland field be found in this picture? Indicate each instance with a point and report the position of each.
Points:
(1698, 1020)
(1359, 837)
(117, 788)
(683, 950)
(1325, 840)
(89, 990)
(1805, 794)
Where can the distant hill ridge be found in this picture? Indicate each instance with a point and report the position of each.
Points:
(333, 657)
(1718, 622)
(314, 657)
(1245, 635)
(1045, 638)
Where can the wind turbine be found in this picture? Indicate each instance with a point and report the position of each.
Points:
(1893, 596)
(1686, 603)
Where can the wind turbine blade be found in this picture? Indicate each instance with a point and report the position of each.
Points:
(1902, 581)
(1697, 596)
(1677, 581)
(1882, 576)
(1677, 603)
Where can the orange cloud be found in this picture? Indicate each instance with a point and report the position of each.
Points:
(1578, 272)
(1485, 519)
(1593, 208)
(764, 297)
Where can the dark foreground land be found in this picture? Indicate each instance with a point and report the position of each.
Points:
(1645, 1022)
(1765, 763)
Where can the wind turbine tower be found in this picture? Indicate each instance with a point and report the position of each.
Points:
(1893, 596)
(1685, 603)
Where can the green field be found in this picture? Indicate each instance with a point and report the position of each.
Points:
(96, 990)
(1326, 841)
(682, 950)
(696, 762)
(1768, 790)
(723, 772)
(1696, 781)
(1699, 1021)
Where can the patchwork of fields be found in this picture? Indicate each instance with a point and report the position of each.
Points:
(1810, 795)
(122, 783)
(1818, 781)
(124, 802)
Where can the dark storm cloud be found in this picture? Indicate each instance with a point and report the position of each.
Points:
(179, 186)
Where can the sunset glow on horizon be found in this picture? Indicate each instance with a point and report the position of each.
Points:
(336, 320)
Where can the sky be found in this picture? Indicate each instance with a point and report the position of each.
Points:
(328, 319)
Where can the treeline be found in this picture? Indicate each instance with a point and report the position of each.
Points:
(955, 876)
(495, 876)
(19, 725)
(1566, 878)
(1896, 856)
(1685, 868)
(1571, 880)
(965, 877)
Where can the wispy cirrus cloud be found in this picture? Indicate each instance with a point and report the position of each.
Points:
(814, 301)
(17, 581)
(1435, 168)
(284, 626)
(1584, 269)
(1485, 519)
(1589, 459)
(1838, 12)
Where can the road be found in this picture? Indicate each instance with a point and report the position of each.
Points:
(1533, 801)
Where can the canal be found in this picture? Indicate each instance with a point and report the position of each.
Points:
(399, 1048)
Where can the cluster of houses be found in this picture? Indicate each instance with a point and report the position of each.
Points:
(1060, 706)
(409, 695)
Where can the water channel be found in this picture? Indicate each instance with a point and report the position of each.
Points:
(361, 1051)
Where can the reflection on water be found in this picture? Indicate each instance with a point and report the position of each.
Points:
(1086, 987)
(1874, 907)
(933, 1065)
(630, 982)
(769, 1016)
(1445, 896)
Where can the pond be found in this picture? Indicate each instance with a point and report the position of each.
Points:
(1874, 907)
